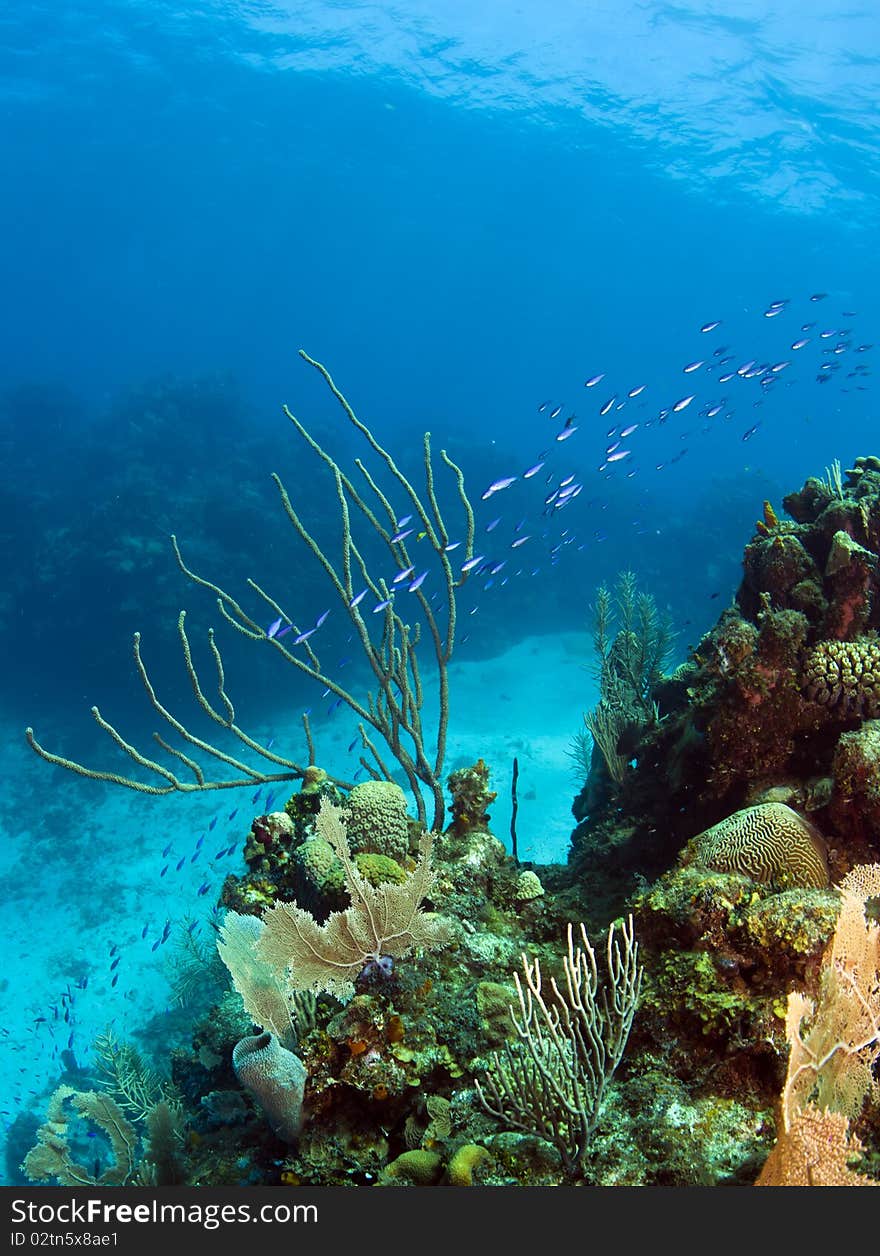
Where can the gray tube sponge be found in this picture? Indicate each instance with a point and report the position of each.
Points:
(276, 1078)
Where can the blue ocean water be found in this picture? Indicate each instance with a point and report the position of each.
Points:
(465, 211)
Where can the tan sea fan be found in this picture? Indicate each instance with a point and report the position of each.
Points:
(382, 921)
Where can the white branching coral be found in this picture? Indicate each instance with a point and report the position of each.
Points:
(570, 1037)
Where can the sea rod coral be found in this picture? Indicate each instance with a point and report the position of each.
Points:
(391, 715)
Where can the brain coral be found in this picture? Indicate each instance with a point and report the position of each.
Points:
(376, 819)
(845, 675)
(769, 842)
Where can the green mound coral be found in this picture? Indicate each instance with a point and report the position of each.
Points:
(413, 1168)
(325, 874)
(465, 1163)
(319, 865)
(376, 820)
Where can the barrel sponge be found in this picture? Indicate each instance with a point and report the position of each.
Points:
(769, 842)
(376, 819)
(276, 1078)
(845, 675)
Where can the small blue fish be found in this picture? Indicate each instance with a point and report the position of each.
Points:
(256, 797)
(447, 549)
(693, 366)
(233, 813)
(750, 433)
(565, 433)
(212, 824)
(304, 636)
(195, 856)
(321, 619)
(381, 606)
(145, 930)
(609, 405)
(710, 414)
(527, 475)
(490, 527)
(403, 575)
(683, 403)
(352, 744)
(799, 344)
(473, 562)
(594, 380)
(270, 798)
(635, 392)
(818, 296)
(497, 485)
(418, 582)
(628, 431)
(112, 983)
(401, 523)
(166, 850)
(115, 963)
(273, 628)
(401, 536)
(711, 326)
(520, 540)
(554, 414)
(164, 870)
(356, 601)
(203, 888)
(180, 863)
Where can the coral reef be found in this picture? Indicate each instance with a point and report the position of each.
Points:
(404, 1014)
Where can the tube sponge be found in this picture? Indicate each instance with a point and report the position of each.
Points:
(276, 1078)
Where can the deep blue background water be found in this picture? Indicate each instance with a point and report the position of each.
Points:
(464, 211)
